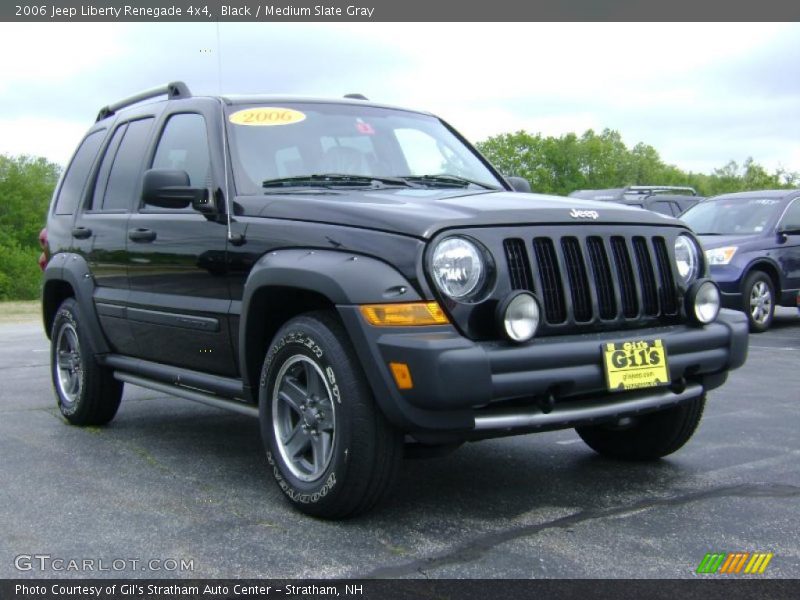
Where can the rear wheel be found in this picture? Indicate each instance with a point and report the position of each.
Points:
(649, 437)
(759, 301)
(86, 392)
(331, 450)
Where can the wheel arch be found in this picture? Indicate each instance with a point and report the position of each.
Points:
(68, 276)
(269, 308)
(286, 283)
(770, 269)
(54, 292)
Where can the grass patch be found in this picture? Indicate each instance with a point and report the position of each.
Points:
(20, 311)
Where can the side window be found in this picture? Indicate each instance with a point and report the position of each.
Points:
(791, 220)
(126, 170)
(666, 207)
(105, 167)
(184, 146)
(77, 173)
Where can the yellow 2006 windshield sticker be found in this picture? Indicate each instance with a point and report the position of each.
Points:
(265, 116)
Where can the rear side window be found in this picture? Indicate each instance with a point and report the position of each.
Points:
(184, 147)
(125, 175)
(77, 173)
(105, 167)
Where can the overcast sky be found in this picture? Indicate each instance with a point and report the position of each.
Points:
(701, 94)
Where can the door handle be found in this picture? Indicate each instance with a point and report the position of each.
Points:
(81, 233)
(141, 235)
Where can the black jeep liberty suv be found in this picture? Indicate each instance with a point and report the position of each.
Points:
(364, 282)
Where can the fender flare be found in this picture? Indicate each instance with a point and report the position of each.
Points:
(343, 278)
(66, 267)
(759, 262)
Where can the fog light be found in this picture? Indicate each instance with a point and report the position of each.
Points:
(519, 313)
(703, 302)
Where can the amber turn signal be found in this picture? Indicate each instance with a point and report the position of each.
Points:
(402, 376)
(408, 314)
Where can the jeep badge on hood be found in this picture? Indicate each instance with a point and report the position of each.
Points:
(584, 214)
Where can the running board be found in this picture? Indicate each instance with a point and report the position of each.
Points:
(187, 394)
(571, 414)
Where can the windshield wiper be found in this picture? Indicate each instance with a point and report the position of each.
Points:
(447, 180)
(335, 180)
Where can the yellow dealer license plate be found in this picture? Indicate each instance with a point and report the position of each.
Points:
(637, 364)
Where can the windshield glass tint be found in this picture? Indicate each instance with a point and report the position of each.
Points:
(732, 216)
(270, 142)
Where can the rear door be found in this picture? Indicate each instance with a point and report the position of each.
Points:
(100, 231)
(179, 297)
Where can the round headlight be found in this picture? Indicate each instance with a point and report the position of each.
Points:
(704, 301)
(520, 315)
(458, 267)
(687, 259)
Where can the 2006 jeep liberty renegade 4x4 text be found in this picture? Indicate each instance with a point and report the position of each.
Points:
(364, 282)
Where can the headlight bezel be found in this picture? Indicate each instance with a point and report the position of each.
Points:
(698, 269)
(485, 281)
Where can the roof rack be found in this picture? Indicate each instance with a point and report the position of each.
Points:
(176, 89)
(356, 96)
(652, 189)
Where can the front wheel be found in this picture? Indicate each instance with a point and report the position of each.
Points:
(759, 301)
(650, 437)
(330, 449)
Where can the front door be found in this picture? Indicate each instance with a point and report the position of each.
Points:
(179, 299)
(789, 251)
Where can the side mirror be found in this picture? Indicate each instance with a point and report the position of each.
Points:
(167, 188)
(790, 229)
(519, 184)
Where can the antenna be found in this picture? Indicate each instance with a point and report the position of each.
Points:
(237, 239)
(219, 62)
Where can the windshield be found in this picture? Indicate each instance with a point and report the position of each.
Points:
(731, 216)
(303, 144)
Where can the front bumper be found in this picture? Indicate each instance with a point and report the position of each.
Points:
(729, 280)
(461, 385)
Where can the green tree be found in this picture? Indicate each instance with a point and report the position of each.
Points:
(560, 165)
(26, 185)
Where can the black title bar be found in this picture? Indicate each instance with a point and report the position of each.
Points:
(400, 10)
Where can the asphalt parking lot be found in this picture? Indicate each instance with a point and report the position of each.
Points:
(169, 479)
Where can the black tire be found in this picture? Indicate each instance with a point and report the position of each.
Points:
(758, 301)
(310, 370)
(86, 392)
(652, 436)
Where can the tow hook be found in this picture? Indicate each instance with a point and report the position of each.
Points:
(678, 386)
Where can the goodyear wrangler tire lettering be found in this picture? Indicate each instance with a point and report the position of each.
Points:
(311, 397)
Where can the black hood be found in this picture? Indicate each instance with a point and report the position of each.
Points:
(424, 212)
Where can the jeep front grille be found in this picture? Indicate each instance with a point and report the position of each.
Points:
(582, 280)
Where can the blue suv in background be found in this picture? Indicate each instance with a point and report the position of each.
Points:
(752, 243)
